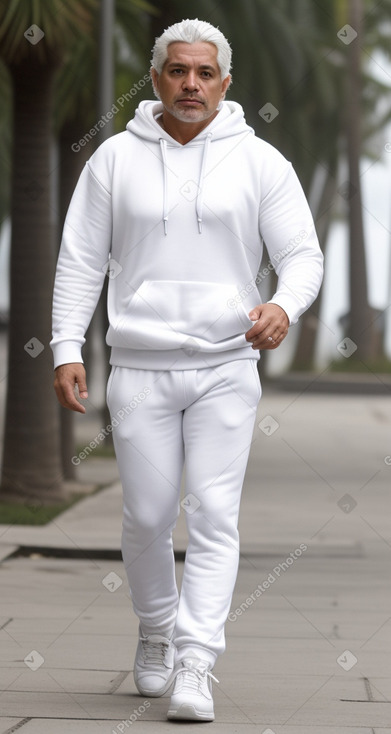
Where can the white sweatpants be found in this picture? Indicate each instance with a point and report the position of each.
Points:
(164, 419)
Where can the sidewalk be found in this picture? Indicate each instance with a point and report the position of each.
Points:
(309, 633)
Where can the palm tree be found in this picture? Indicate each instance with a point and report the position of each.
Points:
(72, 53)
(361, 322)
(33, 40)
(5, 140)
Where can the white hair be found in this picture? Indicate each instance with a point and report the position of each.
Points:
(192, 31)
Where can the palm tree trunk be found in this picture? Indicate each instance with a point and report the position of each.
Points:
(168, 14)
(31, 466)
(304, 357)
(361, 329)
(105, 100)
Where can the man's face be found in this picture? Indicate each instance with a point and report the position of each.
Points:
(190, 85)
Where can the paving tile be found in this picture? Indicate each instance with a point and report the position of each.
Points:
(7, 723)
(45, 726)
(281, 699)
(280, 670)
(60, 680)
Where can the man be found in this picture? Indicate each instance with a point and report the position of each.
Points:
(175, 210)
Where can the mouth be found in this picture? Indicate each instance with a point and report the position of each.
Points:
(188, 101)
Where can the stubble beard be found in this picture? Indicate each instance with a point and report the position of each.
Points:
(190, 115)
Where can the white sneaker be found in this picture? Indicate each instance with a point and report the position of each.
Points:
(154, 665)
(192, 696)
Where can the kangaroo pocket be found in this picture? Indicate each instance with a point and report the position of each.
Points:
(164, 314)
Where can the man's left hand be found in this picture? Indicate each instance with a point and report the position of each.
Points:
(271, 326)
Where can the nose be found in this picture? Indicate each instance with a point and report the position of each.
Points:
(190, 83)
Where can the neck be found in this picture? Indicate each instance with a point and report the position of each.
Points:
(181, 131)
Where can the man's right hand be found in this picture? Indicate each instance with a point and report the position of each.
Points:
(67, 376)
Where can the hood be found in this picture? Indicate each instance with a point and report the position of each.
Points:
(228, 122)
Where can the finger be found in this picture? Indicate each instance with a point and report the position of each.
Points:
(82, 387)
(70, 401)
(269, 342)
(67, 398)
(259, 330)
(264, 328)
(271, 330)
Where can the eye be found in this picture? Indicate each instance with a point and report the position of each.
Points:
(176, 71)
(206, 73)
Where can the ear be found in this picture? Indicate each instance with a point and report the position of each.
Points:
(155, 81)
(225, 84)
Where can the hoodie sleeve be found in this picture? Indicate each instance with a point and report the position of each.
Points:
(80, 272)
(288, 230)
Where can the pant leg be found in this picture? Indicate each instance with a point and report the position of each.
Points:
(217, 430)
(148, 443)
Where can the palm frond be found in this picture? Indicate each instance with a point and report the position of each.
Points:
(59, 20)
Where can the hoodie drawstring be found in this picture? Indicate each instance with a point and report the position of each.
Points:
(163, 148)
(199, 200)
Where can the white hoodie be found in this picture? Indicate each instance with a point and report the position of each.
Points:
(183, 226)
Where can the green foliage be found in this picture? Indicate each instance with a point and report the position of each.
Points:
(60, 20)
(70, 28)
(288, 53)
(34, 513)
(76, 82)
(376, 366)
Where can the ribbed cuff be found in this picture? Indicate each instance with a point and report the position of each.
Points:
(66, 352)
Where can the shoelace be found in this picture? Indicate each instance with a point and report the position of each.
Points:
(154, 652)
(192, 678)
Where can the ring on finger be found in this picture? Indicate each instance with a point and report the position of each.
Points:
(270, 339)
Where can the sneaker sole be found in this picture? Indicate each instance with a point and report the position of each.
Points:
(189, 713)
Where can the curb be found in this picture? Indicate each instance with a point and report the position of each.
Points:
(337, 383)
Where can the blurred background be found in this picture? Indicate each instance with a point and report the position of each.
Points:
(314, 79)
